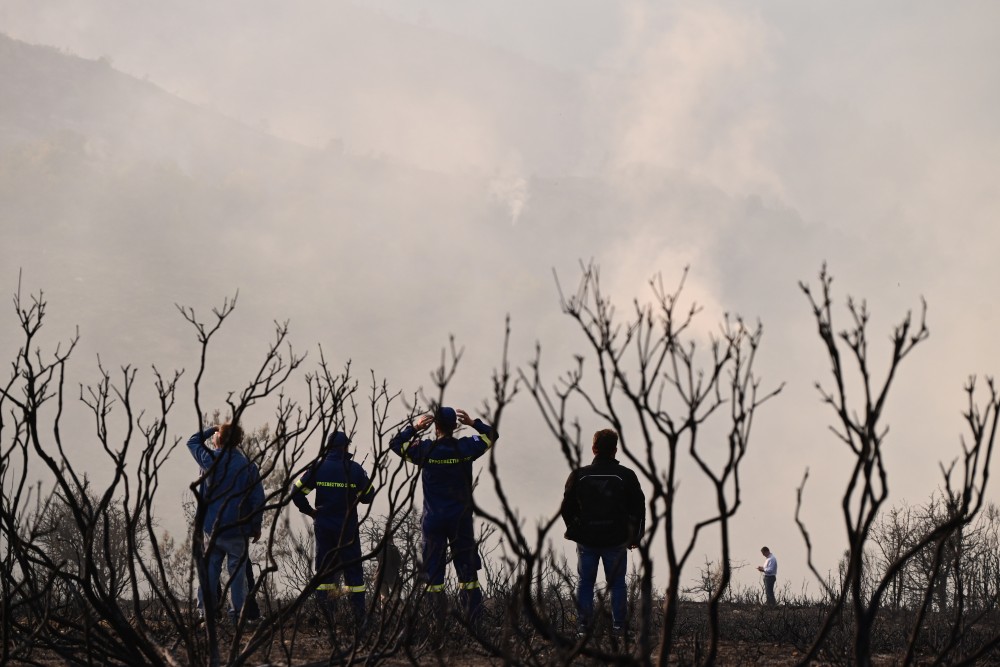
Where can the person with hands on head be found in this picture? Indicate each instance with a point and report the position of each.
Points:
(232, 496)
(446, 477)
(340, 484)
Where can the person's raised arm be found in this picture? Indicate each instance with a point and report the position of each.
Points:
(404, 440)
(199, 450)
(487, 434)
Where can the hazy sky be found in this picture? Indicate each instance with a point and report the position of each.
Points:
(402, 170)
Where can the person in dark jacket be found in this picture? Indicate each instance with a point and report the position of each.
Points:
(446, 470)
(340, 484)
(232, 496)
(604, 510)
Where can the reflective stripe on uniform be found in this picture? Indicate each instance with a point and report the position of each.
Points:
(468, 585)
(341, 590)
(302, 487)
(486, 439)
(449, 461)
(405, 446)
(329, 587)
(435, 588)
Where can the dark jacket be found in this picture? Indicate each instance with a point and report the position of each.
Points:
(231, 490)
(340, 484)
(446, 466)
(603, 505)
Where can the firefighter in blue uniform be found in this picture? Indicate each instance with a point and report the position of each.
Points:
(446, 469)
(340, 484)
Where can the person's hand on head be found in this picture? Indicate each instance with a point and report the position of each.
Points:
(464, 418)
(423, 421)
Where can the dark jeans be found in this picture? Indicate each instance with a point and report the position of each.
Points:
(615, 565)
(769, 589)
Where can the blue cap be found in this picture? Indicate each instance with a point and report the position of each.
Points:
(338, 440)
(446, 419)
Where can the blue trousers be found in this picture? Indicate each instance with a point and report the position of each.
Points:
(440, 532)
(615, 565)
(338, 551)
(234, 551)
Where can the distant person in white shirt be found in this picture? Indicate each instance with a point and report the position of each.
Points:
(770, 570)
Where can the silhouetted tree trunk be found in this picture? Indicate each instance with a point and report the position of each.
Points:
(859, 426)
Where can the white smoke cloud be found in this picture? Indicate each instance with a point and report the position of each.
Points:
(510, 188)
(688, 91)
(750, 142)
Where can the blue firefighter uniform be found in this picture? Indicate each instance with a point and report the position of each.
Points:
(340, 484)
(446, 471)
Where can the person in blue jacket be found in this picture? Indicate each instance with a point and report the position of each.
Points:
(446, 470)
(232, 497)
(340, 484)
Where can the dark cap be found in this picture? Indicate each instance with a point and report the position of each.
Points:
(446, 419)
(338, 440)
